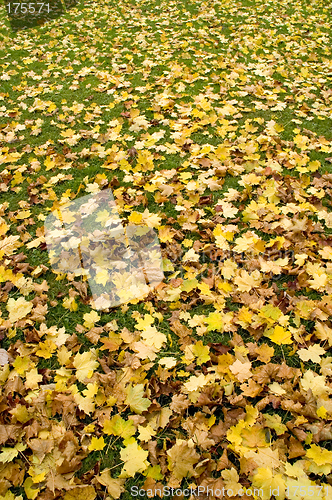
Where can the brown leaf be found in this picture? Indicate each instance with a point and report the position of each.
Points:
(84, 492)
(295, 448)
(9, 431)
(205, 200)
(181, 459)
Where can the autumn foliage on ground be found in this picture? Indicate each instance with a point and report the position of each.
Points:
(211, 123)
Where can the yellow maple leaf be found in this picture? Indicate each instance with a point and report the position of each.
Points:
(254, 437)
(313, 353)
(85, 364)
(49, 163)
(264, 479)
(264, 457)
(319, 455)
(243, 243)
(32, 379)
(20, 413)
(274, 422)
(303, 484)
(117, 426)
(154, 472)
(301, 141)
(23, 214)
(168, 362)
(11, 157)
(319, 281)
(228, 269)
(321, 412)
(46, 349)
(201, 352)
(52, 107)
(245, 281)
(67, 216)
(3, 227)
(146, 433)
(92, 187)
(191, 256)
(90, 319)
(214, 322)
(103, 216)
(97, 444)
(135, 398)
(244, 316)
(205, 289)
(91, 390)
(189, 285)
(70, 303)
(279, 335)
(22, 364)
(231, 479)
(228, 209)
(114, 485)
(323, 332)
(8, 454)
(241, 370)
(189, 356)
(39, 478)
(150, 219)
(135, 218)
(77, 107)
(145, 322)
(316, 383)
(85, 404)
(277, 388)
(152, 337)
(68, 133)
(18, 309)
(196, 382)
(166, 233)
(134, 458)
(144, 351)
(30, 489)
(270, 311)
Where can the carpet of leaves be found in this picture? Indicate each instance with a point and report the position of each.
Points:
(211, 123)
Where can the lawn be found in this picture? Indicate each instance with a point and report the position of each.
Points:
(210, 121)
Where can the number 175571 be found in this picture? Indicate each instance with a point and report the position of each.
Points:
(24, 8)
